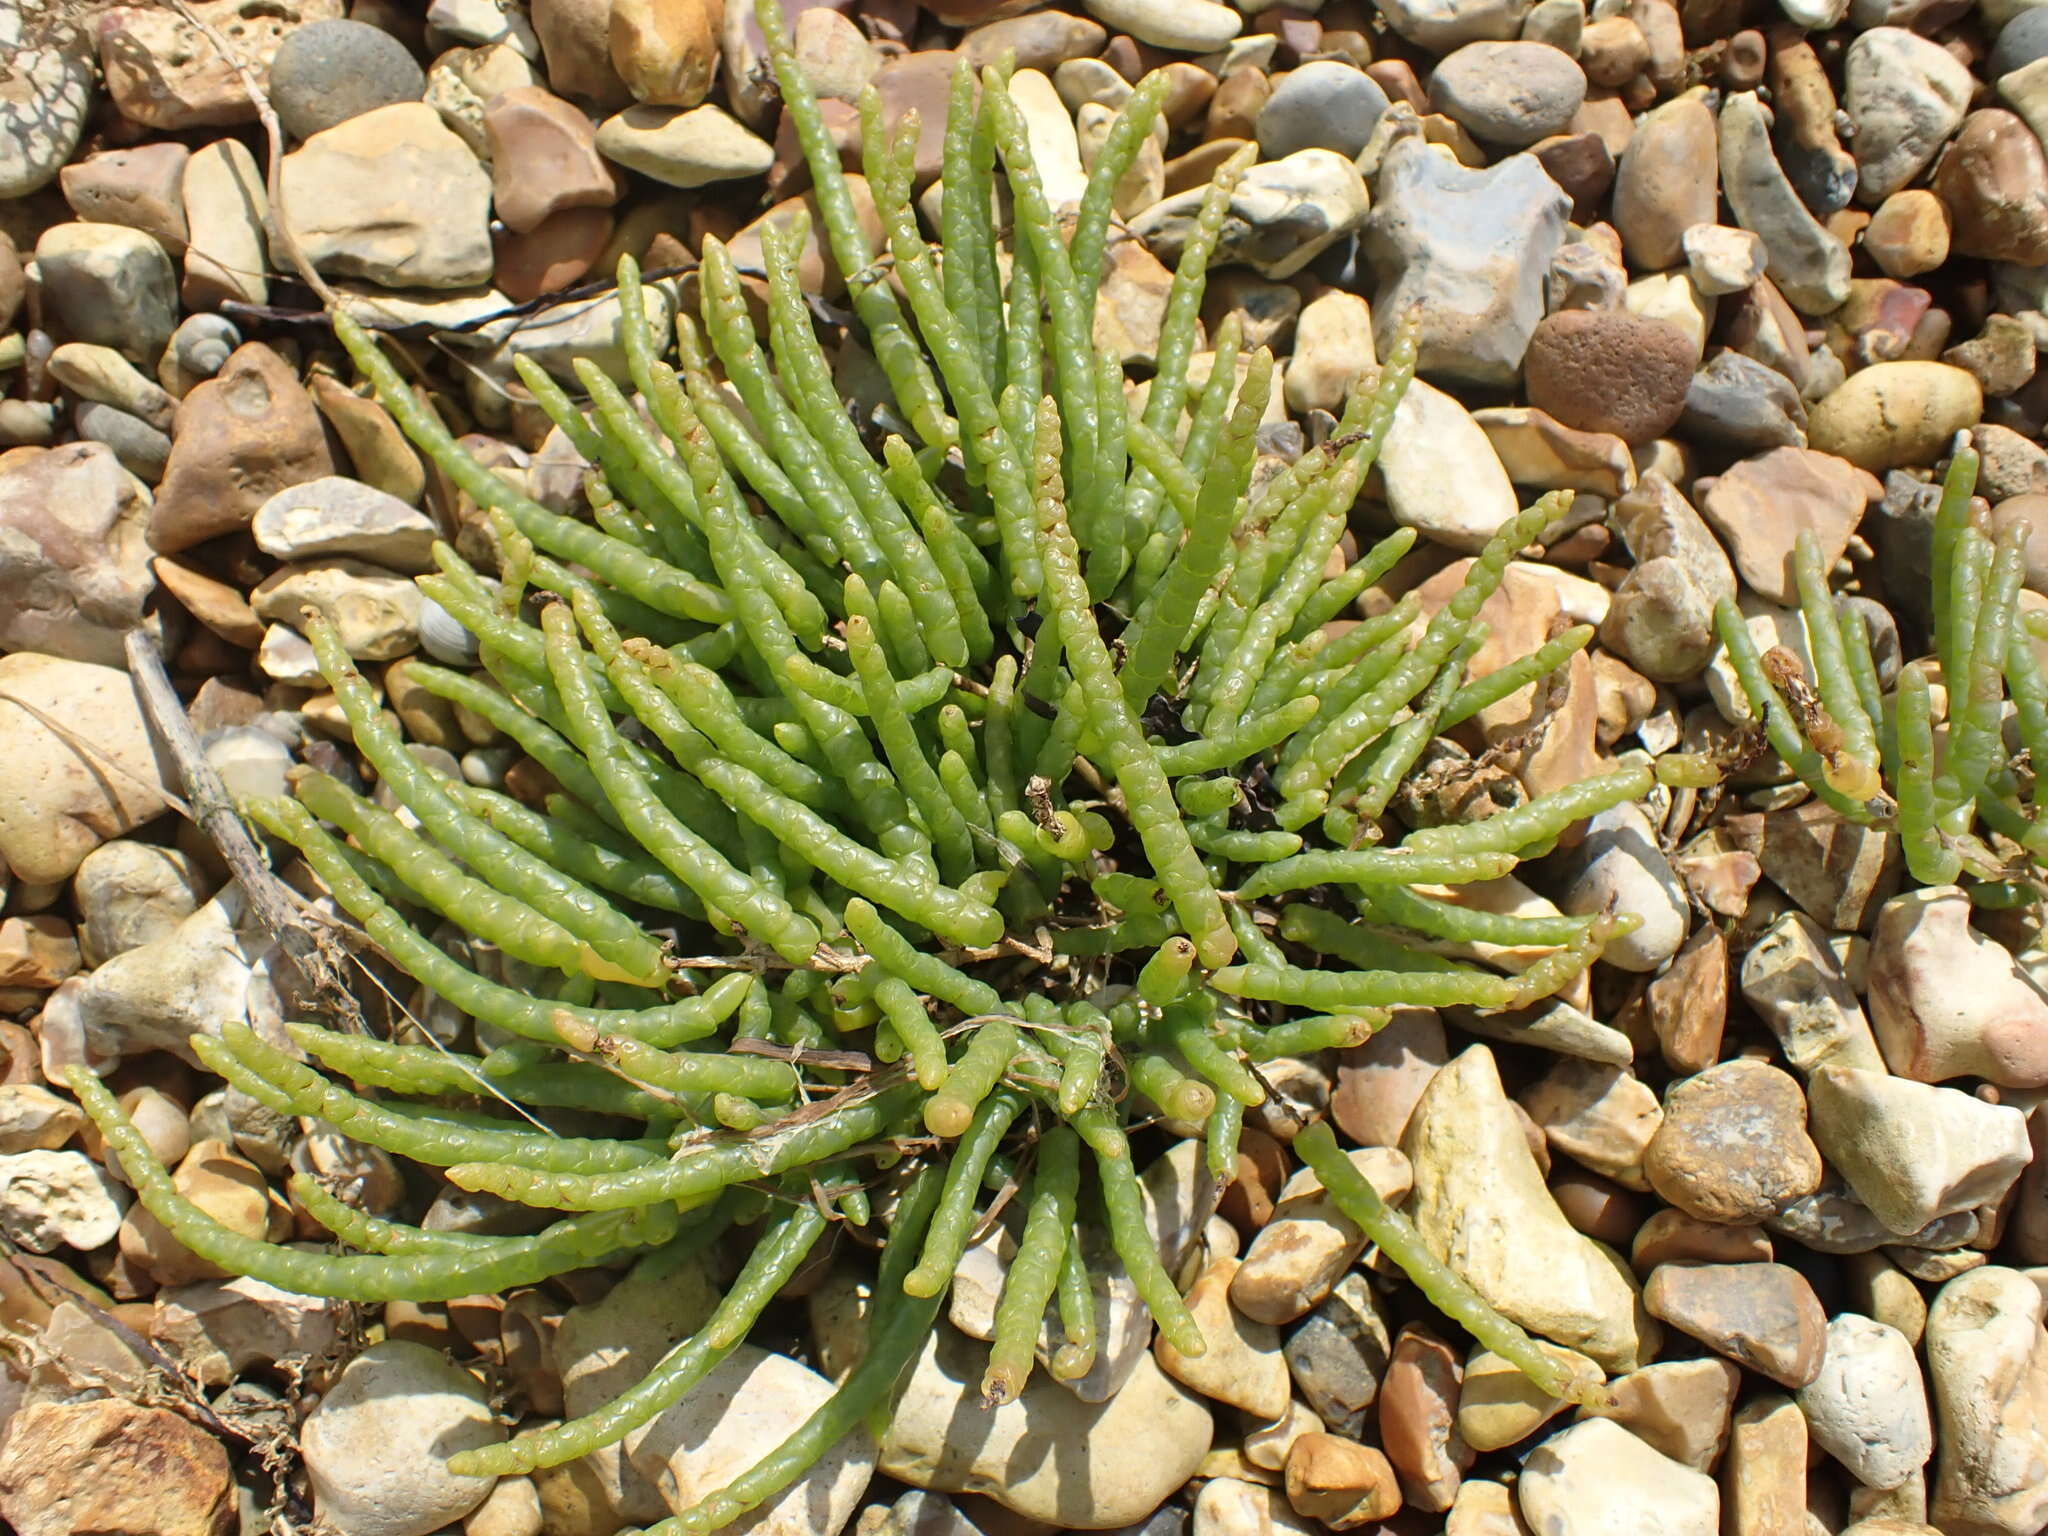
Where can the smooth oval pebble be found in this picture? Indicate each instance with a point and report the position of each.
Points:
(1509, 93)
(1892, 415)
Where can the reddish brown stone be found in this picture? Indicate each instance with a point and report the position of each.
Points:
(1609, 371)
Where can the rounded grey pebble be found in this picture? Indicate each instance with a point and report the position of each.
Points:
(1509, 93)
(1325, 104)
(201, 343)
(327, 72)
(141, 448)
(2023, 40)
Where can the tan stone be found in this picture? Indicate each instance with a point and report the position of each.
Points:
(113, 1467)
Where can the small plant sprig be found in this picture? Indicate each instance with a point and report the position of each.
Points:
(928, 819)
(1872, 757)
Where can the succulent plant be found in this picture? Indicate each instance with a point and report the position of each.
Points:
(1871, 757)
(928, 818)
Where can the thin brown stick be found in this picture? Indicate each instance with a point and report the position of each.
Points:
(215, 815)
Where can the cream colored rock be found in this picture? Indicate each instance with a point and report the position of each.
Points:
(393, 196)
(100, 373)
(753, 1400)
(1675, 298)
(74, 549)
(1242, 1365)
(1893, 415)
(1185, 26)
(1042, 1455)
(51, 1200)
(1498, 1405)
(684, 149)
(375, 1446)
(335, 515)
(1541, 453)
(33, 1119)
(1794, 980)
(1232, 1506)
(227, 209)
(81, 764)
(1333, 349)
(1481, 1206)
(1307, 1245)
(1911, 1151)
(1947, 1001)
(375, 612)
(1597, 1479)
(1868, 1406)
(1602, 1117)
(1055, 149)
(1442, 476)
(1987, 1355)
(1680, 1408)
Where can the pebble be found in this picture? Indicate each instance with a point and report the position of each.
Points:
(1987, 1358)
(1498, 1405)
(691, 148)
(219, 1328)
(1339, 1352)
(1680, 1408)
(1763, 1476)
(51, 1200)
(1468, 248)
(1762, 504)
(1722, 260)
(129, 893)
(1810, 265)
(107, 1465)
(751, 1400)
(1912, 1152)
(1868, 1406)
(1597, 1479)
(1442, 25)
(1480, 1204)
(1242, 1365)
(329, 71)
(157, 995)
(1418, 1418)
(1325, 104)
(362, 1443)
(335, 515)
(74, 557)
(55, 806)
(1283, 214)
(1891, 415)
(1510, 94)
(111, 285)
(1994, 183)
(1307, 1243)
(1793, 979)
(1181, 26)
(1665, 182)
(139, 187)
(240, 437)
(544, 159)
(1947, 1001)
(1602, 1117)
(33, 1119)
(1108, 1464)
(103, 375)
(1763, 1316)
(1732, 1146)
(462, 80)
(1440, 472)
(1909, 234)
(1619, 867)
(511, 1508)
(1609, 371)
(1339, 1482)
(1907, 96)
(666, 52)
(392, 196)
(2023, 40)
(1739, 403)
(1661, 619)
(1231, 1506)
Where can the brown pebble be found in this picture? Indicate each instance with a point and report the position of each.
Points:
(1670, 1237)
(1340, 1482)
(1418, 1418)
(1598, 1207)
(1688, 1003)
(1379, 1082)
(543, 158)
(1994, 181)
(1733, 1146)
(1679, 1407)
(1609, 371)
(1764, 1316)
(553, 254)
(1742, 66)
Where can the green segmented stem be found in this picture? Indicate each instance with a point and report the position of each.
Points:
(990, 1051)
(777, 1254)
(905, 752)
(1513, 676)
(425, 1276)
(1032, 1277)
(953, 1223)
(1928, 856)
(1147, 795)
(1538, 821)
(429, 1070)
(1123, 1203)
(1780, 728)
(373, 1234)
(1839, 694)
(1445, 1288)
(1075, 1296)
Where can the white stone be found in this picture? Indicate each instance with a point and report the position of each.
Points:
(1911, 1151)
(1868, 1406)
(1481, 1206)
(129, 893)
(335, 515)
(375, 612)
(1987, 1356)
(1185, 26)
(1620, 867)
(1907, 94)
(1948, 1002)
(1721, 259)
(1231, 1506)
(1055, 149)
(1333, 349)
(1441, 473)
(1597, 1479)
(375, 1448)
(51, 1200)
(752, 1402)
(33, 1119)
